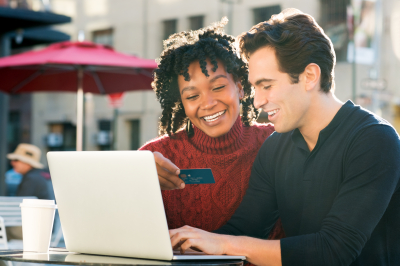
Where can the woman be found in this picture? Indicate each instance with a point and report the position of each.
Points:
(201, 83)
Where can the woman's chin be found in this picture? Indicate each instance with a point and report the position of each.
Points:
(216, 128)
(216, 132)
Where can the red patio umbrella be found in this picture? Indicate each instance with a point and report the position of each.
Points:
(75, 66)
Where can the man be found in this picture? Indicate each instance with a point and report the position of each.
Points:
(26, 161)
(330, 171)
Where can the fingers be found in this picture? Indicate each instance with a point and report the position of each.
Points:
(189, 237)
(167, 173)
(166, 184)
(196, 249)
(186, 240)
(180, 239)
(173, 232)
(177, 246)
(180, 235)
(190, 243)
(165, 163)
(169, 180)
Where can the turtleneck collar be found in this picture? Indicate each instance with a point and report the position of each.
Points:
(228, 143)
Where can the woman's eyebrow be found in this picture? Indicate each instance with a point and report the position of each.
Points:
(217, 77)
(188, 88)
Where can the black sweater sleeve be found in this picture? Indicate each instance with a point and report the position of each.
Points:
(257, 213)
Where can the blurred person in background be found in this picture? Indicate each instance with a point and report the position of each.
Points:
(13, 179)
(202, 84)
(25, 160)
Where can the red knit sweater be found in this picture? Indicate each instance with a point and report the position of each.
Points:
(230, 158)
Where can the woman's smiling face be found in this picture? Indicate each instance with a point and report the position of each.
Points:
(211, 103)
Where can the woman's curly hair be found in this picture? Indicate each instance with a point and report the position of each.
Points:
(180, 50)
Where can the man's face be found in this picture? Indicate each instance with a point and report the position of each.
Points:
(21, 167)
(285, 103)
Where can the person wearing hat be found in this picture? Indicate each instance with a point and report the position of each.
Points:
(26, 161)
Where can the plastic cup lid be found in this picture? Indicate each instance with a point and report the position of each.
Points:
(38, 203)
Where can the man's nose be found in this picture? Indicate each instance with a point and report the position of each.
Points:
(259, 99)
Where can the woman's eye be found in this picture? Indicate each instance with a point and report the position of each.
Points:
(191, 97)
(220, 87)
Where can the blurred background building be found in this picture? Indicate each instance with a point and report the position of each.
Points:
(368, 74)
(23, 25)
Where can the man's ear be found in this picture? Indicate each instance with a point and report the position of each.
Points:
(241, 91)
(312, 75)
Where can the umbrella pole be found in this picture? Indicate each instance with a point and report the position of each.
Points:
(79, 109)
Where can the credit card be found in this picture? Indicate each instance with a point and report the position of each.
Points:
(197, 176)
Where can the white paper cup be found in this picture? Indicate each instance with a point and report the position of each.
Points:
(37, 224)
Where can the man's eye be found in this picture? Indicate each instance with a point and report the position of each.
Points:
(267, 87)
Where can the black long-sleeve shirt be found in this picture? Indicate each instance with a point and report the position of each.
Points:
(339, 204)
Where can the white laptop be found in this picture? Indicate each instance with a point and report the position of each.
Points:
(110, 204)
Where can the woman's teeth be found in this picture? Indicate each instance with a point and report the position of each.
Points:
(271, 113)
(213, 117)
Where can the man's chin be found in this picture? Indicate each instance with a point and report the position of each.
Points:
(282, 129)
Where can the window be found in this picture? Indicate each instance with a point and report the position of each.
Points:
(169, 28)
(104, 139)
(264, 13)
(104, 125)
(333, 12)
(69, 133)
(61, 137)
(333, 21)
(135, 136)
(104, 37)
(14, 130)
(196, 22)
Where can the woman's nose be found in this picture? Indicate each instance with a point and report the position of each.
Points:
(208, 102)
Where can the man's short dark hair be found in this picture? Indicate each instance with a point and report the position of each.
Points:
(297, 40)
